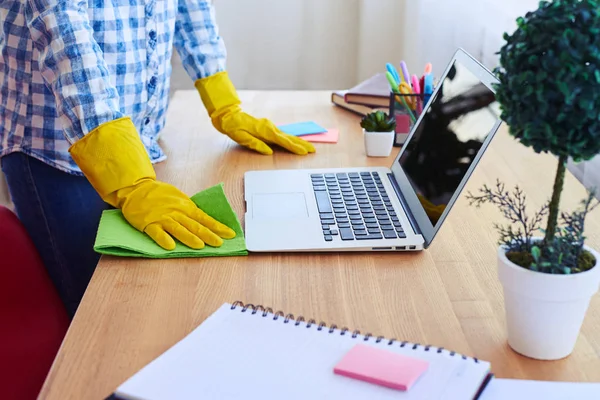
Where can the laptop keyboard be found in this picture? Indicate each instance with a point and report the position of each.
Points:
(355, 206)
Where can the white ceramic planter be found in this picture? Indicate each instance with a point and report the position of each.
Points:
(379, 144)
(544, 312)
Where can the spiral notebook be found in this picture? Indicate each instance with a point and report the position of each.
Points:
(251, 352)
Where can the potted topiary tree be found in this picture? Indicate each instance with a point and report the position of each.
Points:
(378, 130)
(549, 93)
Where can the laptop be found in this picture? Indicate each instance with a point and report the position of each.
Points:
(400, 208)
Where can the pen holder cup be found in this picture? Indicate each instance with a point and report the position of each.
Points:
(405, 109)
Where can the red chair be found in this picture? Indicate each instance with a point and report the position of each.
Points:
(33, 320)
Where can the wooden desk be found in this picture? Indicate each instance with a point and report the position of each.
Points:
(448, 295)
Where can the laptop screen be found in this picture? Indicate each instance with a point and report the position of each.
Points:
(446, 141)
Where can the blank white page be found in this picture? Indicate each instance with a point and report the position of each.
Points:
(516, 389)
(241, 355)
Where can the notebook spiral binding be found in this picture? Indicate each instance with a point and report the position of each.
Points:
(331, 329)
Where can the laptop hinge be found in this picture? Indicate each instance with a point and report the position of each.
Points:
(409, 214)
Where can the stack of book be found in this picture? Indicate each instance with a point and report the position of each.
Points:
(366, 97)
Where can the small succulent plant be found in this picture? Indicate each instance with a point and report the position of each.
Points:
(378, 121)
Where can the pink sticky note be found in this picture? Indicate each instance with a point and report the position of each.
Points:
(381, 367)
(331, 136)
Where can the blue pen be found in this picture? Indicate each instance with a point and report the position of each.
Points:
(390, 68)
(428, 88)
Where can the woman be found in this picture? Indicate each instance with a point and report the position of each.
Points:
(83, 94)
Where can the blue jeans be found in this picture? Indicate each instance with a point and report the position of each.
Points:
(61, 212)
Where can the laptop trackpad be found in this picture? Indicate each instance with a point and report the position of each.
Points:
(279, 206)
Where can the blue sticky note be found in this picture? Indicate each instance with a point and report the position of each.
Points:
(302, 128)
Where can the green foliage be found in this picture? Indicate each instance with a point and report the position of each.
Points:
(564, 254)
(524, 259)
(378, 121)
(550, 79)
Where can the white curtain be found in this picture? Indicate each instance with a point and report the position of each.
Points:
(309, 44)
(334, 44)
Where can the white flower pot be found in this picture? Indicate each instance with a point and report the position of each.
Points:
(544, 312)
(379, 144)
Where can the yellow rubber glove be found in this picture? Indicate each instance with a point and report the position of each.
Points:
(223, 105)
(114, 160)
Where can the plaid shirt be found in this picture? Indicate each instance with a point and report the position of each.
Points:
(68, 66)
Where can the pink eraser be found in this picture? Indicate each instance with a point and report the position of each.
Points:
(381, 367)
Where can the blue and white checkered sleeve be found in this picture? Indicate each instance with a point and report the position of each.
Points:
(197, 39)
(72, 65)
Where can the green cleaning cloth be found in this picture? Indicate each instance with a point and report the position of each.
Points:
(118, 238)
